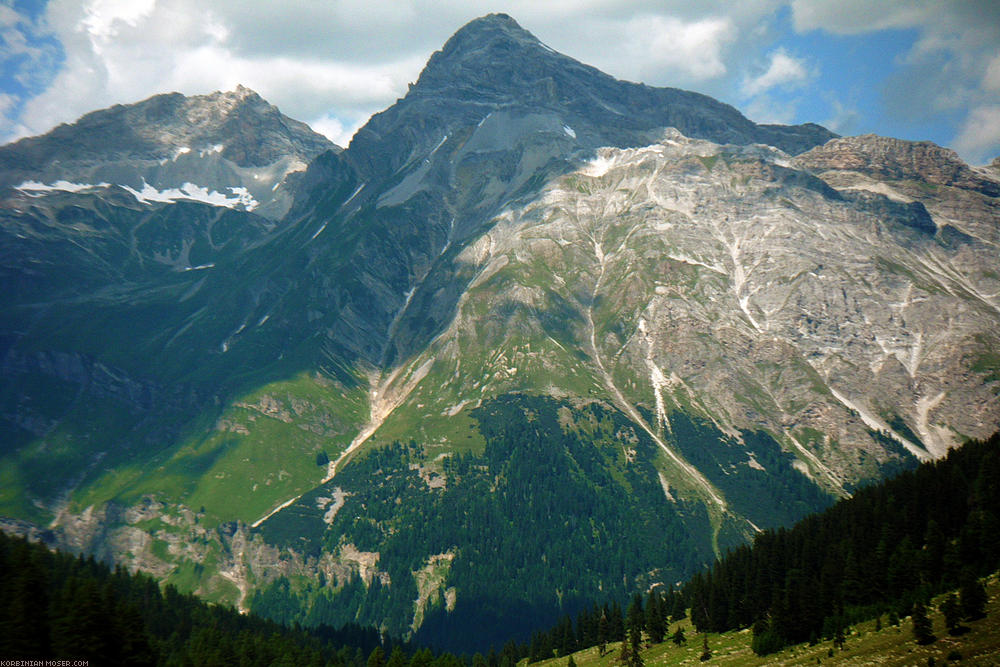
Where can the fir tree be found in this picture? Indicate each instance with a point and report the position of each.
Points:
(923, 631)
(377, 657)
(602, 633)
(678, 637)
(972, 598)
(397, 658)
(952, 611)
(635, 622)
(655, 625)
(706, 653)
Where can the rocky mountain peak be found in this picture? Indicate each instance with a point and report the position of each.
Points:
(246, 128)
(897, 159)
(492, 54)
(232, 143)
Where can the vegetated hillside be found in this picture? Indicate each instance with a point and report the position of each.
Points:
(59, 606)
(888, 547)
(563, 501)
(886, 551)
(871, 642)
(700, 326)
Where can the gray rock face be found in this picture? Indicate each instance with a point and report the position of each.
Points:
(216, 142)
(720, 279)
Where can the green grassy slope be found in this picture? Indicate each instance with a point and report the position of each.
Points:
(890, 646)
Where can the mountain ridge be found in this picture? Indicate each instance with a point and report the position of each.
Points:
(720, 324)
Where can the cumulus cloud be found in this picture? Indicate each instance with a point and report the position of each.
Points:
(332, 63)
(123, 51)
(335, 62)
(979, 136)
(782, 70)
(652, 47)
(952, 68)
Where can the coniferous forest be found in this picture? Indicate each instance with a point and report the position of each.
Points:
(887, 549)
(57, 606)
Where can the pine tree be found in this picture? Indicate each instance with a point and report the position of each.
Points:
(602, 633)
(952, 611)
(678, 637)
(654, 617)
(571, 662)
(706, 653)
(972, 598)
(635, 622)
(625, 657)
(398, 658)
(923, 631)
(377, 657)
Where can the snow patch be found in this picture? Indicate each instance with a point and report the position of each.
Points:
(211, 150)
(353, 194)
(319, 231)
(439, 145)
(58, 186)
(569, 131)
(240, 196)
(598, 166)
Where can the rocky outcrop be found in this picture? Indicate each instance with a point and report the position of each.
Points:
(217, 142)
(895, 160)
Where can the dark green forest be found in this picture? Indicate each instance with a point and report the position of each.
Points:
(563, 504)
(889, 546)
(58, 606)
(885, 551)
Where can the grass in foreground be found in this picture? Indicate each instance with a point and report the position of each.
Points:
(892, 646)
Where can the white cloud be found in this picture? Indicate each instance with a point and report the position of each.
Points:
(764, 109)
(119, 52)
(844, 117)
(783, 70)
(694, 49)
(7, 103)
(338, 61)
(335, 130)
(991, 78)
(979, 137)
(952, 68)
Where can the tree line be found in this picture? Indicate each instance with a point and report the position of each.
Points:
(888, 548)
(64, 607)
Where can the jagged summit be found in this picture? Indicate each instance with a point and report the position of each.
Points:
(217, 142)
(494, 61)
(498, 26)
(251, 131)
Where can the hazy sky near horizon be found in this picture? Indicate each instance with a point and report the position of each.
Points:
(914, 69)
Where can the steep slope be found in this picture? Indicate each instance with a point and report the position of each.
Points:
(580, 304)
(230, 148)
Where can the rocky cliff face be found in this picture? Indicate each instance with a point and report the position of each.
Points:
(717, 325)
(233, 145)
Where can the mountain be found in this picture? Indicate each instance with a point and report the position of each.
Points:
(231, 149)
(534, 335)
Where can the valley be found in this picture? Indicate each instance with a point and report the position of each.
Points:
(537, 335)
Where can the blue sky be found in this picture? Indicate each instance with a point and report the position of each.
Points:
(914, 69)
